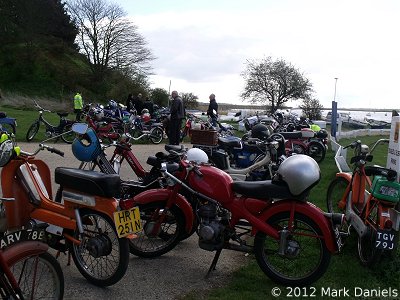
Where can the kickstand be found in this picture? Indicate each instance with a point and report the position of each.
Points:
(214, 262)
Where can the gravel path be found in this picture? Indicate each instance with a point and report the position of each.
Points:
(170, 276)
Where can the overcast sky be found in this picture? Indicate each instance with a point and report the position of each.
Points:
(202, 46)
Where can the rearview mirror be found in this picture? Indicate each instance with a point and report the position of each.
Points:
(80, 128)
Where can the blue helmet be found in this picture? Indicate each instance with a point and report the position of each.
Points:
(86, 147)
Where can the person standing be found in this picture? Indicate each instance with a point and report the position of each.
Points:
(129, 102)
(138, 104)
(175, 120)
(212, 110)
(78, 106)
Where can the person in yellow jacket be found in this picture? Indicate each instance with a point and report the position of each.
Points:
(78, 105)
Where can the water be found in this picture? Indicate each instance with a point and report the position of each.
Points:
(357, 115)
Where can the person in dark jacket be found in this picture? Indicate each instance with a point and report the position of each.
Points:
(129, 102)
(177, 113)
(212, 110)
(138, 103)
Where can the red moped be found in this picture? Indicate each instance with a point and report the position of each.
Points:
(291, 238)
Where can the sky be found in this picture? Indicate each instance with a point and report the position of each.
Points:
(202, 46)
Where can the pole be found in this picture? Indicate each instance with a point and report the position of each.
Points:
(334, 113)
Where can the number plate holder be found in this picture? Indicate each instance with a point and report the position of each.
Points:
(385, 239)
(127, 222)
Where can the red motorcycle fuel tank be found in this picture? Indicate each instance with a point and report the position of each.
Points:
(213, 183)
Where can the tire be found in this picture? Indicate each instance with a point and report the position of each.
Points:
(311, 252)
(367, 252)
(171, 232)
(298, 149)
(32, 131)
(8, 128)
(39, 277)
(110, 265)
(68, 135)
(317, 151)
(156, 135)
(336, 191)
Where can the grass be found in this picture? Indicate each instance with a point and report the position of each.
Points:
(249, 282)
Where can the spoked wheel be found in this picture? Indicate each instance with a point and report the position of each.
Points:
(367, 252)
(298, 149)
(305, 257)
(156, 135)
(102, 258)
(317, 151)
(39, 277)
(32, 131)
(336, 191)
(156, 239)
(68, 135)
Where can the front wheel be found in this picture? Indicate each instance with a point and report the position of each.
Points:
(68, 135)
(162, 230)
(305, 258)
(39, 277)
(32, 131)
(317, 151)
(156, 135)
(101, 257)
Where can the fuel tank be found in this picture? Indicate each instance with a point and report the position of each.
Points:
(213, 183)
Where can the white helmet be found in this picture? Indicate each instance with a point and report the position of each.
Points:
(196, 155)
(300, 172)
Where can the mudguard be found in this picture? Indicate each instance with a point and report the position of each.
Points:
(344, 175)
(162, 195)
(310, 210)
(23, 250)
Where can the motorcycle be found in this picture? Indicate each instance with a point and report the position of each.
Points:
(88, 222)
(7, 124)
(293, 238)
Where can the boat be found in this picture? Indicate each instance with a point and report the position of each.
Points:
(375, 124)
(355, 124)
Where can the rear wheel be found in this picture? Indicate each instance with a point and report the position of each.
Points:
(68, 135)
(154, 241)
(156, 135)
(305, 258)
(101, 257)
(32, 131)
(367, 252)
(317, 151)
(39, 277)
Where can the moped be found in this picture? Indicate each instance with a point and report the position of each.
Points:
(88, 222)
(63, 129)
(293, 238)
(7, 124)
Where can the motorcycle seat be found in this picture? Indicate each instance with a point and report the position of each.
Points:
(266, 189)
(62, 114)
(292, 135)
(176, 148)
(88, 182)
(230, 142)
(378, 170)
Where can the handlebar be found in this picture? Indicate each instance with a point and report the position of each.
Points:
(41, 108)
(43, 147)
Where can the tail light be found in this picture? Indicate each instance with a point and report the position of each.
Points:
(388, 224)
(126, 204)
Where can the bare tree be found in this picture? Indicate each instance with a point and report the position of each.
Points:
(274, 83)
(109, 39)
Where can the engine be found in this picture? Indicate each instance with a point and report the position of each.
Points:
(211, 229)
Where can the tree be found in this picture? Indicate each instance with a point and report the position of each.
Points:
(190, 100)
(274, 83)
(312, 108)
(160, 97)
(108, 39)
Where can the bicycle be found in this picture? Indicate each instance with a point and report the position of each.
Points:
(27, 270)
(369, 205)
(63, 128)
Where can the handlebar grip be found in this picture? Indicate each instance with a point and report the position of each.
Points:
(56, 151)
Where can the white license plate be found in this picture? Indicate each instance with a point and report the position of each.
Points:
(127, 222)
(385, 239)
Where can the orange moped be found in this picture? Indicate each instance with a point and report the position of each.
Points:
(83, 223)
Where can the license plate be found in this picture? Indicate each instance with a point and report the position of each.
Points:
(385, 239)
(22, 235)
(127, 222)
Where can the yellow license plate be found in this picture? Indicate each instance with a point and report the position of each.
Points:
(127, 222)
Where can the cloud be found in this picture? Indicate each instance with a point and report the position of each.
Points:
(206, 49)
